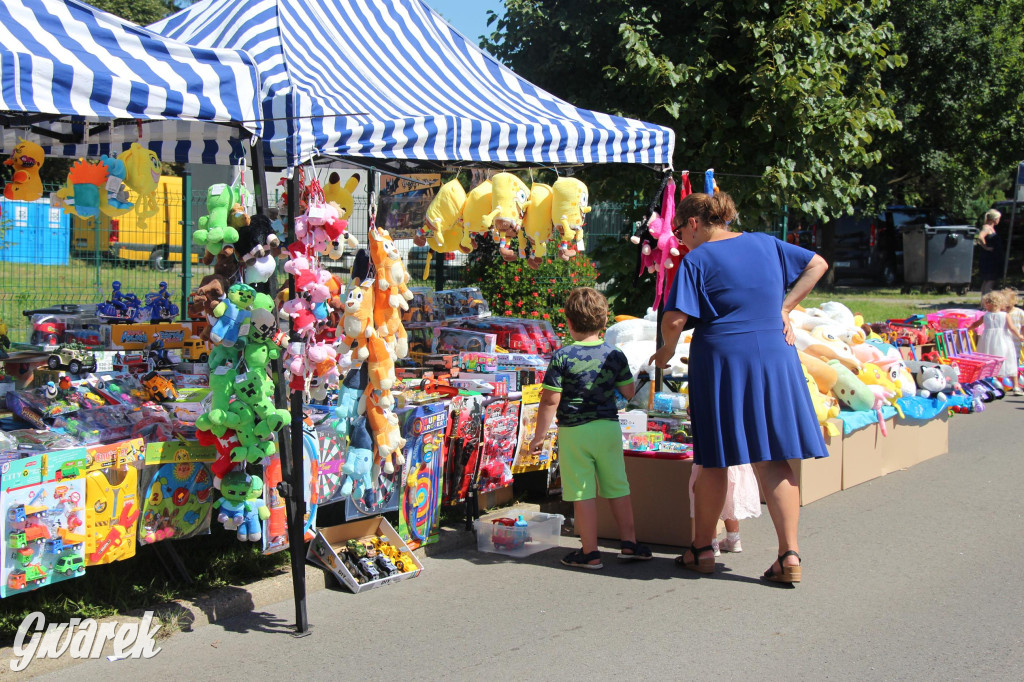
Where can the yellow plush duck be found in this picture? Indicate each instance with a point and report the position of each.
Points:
(537, 222)
(568, 209)
(509, 197)
(478, 206)
(442, 224)
(27, 159)
(142, 175)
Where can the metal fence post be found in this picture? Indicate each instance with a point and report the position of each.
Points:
(186, 240)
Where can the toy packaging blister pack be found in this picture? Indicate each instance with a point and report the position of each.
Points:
(275, 526)
(43, 503)
(501, 422)
(177, 491)
(465, 426)
(451, 340)
(112, 493)
(526, 460)
(423, 428)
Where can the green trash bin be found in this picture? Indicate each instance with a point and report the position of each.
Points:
(938, 255)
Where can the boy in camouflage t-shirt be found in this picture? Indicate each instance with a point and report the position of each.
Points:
(579, 386)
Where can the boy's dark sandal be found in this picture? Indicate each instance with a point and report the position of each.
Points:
(579, 559)
(636, 552)
(705, 565)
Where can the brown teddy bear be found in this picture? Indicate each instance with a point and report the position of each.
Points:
(212, 289)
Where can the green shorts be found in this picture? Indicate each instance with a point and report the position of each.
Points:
(588, 454)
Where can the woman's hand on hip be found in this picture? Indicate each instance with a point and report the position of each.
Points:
(787, 329)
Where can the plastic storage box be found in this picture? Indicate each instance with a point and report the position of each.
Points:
(499, 534)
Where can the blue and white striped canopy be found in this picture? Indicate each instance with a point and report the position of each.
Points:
(420, 92)
(95, 73)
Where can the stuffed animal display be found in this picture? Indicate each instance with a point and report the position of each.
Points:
(26, 160)
(506, 209)
(240, 507)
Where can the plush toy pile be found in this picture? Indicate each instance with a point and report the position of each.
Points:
(506, 209)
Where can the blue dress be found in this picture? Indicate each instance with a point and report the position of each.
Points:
(748, 397)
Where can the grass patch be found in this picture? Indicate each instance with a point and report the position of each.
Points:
(878, 305)
(213, 561)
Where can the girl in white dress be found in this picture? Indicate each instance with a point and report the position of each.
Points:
(1016, 316)
(998, 335)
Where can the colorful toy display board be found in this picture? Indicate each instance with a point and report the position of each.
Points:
(333, 448)
(112, 501)
(177, 491)
(501, 424)
(43, 503)
(423, 428)
(465, 427)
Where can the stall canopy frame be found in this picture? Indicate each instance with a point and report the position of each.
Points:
(82, 83)
(427, 96)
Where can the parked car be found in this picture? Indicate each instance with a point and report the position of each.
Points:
(871, 247)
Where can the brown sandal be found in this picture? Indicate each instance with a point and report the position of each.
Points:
(788, 574)
(705, 565)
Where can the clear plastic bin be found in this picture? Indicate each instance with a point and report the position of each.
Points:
(542, 531)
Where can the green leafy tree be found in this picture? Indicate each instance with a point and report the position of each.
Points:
(961, 101)
(141, 12)
(786, 94)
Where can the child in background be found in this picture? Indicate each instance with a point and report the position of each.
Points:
(579, 386)
(998, 335)
(1016, 316)
(742, 501)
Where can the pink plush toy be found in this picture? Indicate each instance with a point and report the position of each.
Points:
(668, 246)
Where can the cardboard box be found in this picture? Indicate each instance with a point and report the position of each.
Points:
(821, 477)
(862, 455)
(325, 547)
(661, 504)
(140, 336)
(913, 441)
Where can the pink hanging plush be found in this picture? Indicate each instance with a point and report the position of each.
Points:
(666, 253)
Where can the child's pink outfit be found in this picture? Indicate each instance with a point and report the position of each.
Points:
(742, 499)
(996, 339)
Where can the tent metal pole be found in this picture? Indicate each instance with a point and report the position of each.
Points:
(292, 487)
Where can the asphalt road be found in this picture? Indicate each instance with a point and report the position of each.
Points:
(917, 575)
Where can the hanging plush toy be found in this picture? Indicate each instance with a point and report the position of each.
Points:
(392, 279)
(666, 248)
(537, 223)
(710, 186)
(509, 198)
(386, 433)
(85, 189)
(358, 464)
(114, 202)
(337, 193)
(478, 205)
(25, 184)
(568, 210)
(257, 249)
(142, 175)
(233, 314)
(357, 322)
(214, 230)
(442, 223)
(241, 506)
(388, 322)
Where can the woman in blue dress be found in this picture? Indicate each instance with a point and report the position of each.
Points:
(748, 398)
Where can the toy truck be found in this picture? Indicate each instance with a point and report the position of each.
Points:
(73, 357)
(195, 350)
(19, 580)
(159, 387)
(21, 538)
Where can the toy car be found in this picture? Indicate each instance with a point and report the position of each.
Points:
(195, 350)
(511, 335)
(160, 388)
(69, 563)
(385, 565)
(368, 569)
(73, 357)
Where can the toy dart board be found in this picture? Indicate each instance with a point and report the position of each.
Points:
(176, 502)
(332, 456)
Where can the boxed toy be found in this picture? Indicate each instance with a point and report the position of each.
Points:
(465, 429)
(176, 488)
(419, 512)
(42, 499)
(113, 509)
(143, 336)
(364, 555)
(452, 340)
(526, 460)
(501, 423)
(465, 302)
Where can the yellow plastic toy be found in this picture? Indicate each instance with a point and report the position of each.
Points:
(142, 175)
(27, 159)
(341, 194)
(442, 224)
(569, 206)
(537, 224)
(509, 197)
(478, 205)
